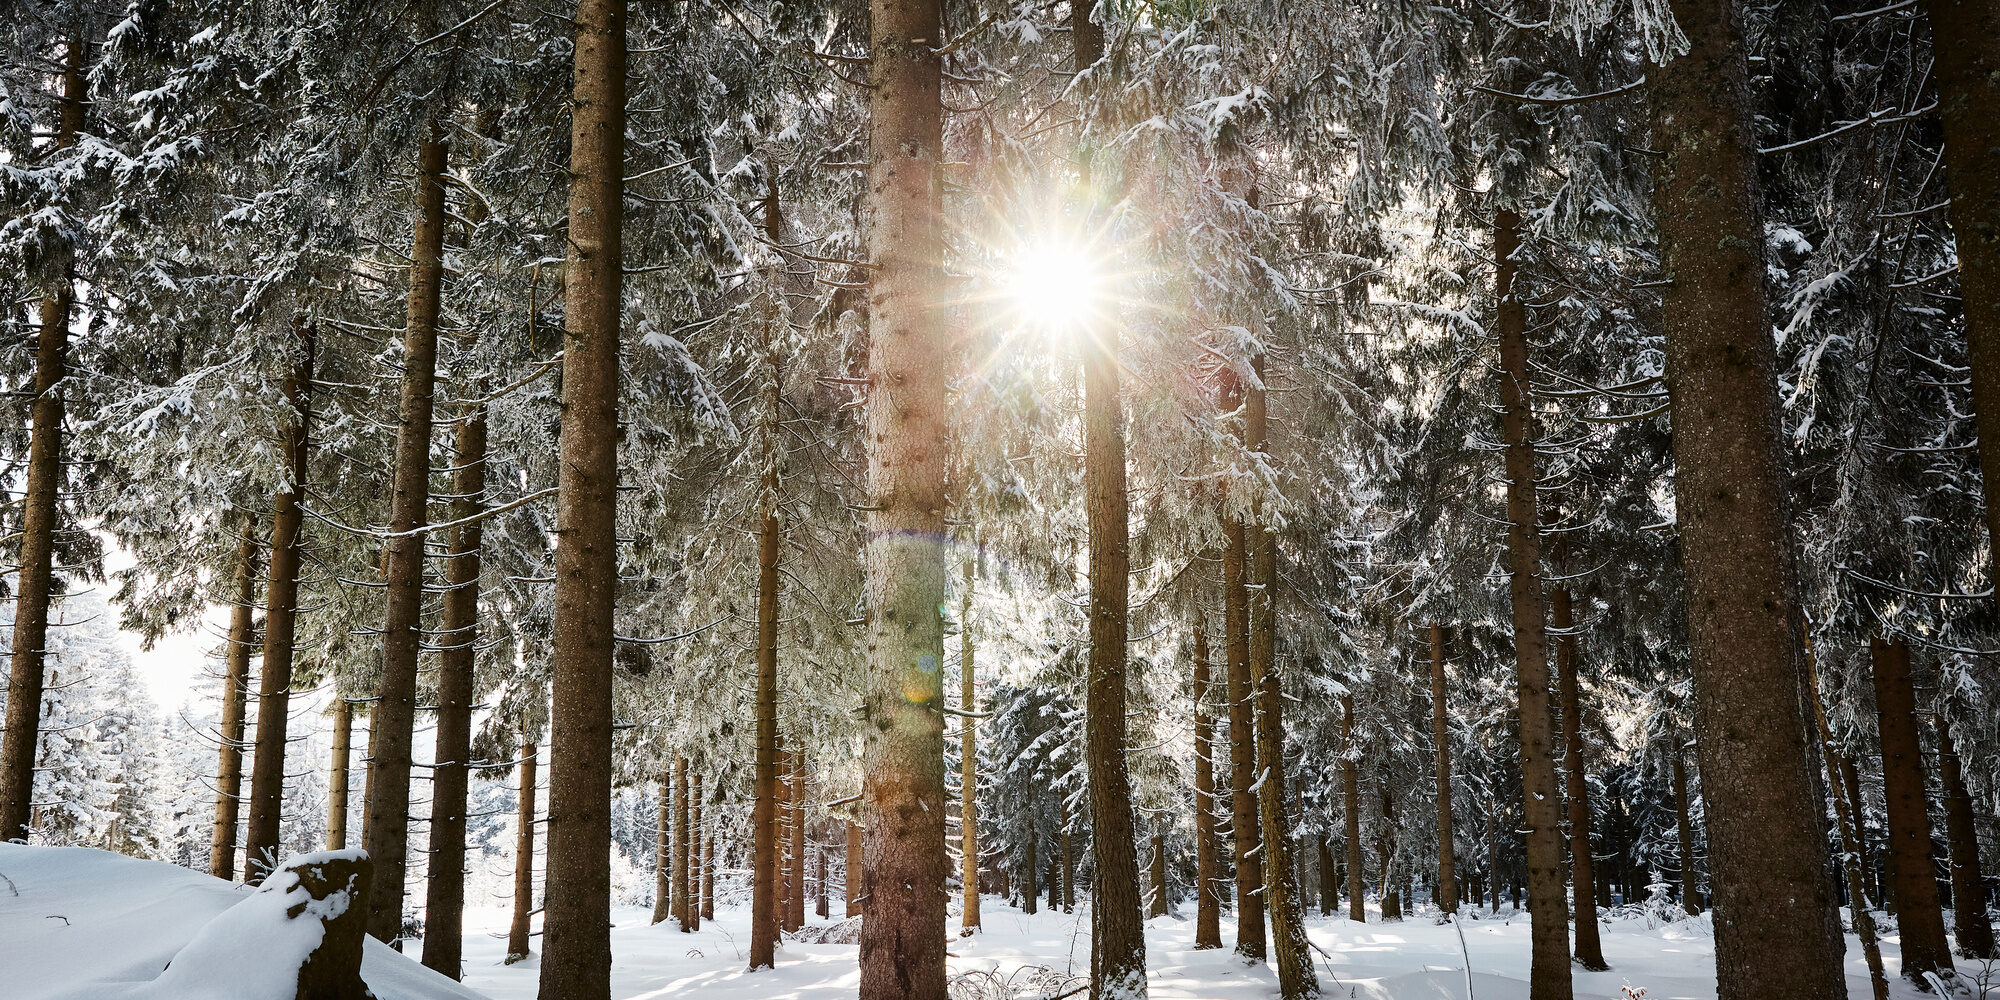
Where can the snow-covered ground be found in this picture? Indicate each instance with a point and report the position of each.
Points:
(79, 923)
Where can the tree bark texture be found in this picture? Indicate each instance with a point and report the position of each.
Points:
(444, 897)
(524, 857)
(235, 696)
(910, 353)
(853, 871)
(1919, 914)
(1541, 807)
(576, 921)
(795, 874)
(770, 541)
(1208, 905)
(341, 777)
(683, 902)
(392, 721)
(1968, 890)
(1576, 793)
(281, 595)
(1350, 808)
(1245, 828)
(1157, 906)
(663, 853)
(1852, 856)
(1447, 882)
(1775, 924)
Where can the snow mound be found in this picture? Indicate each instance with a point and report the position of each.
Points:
(78, 923)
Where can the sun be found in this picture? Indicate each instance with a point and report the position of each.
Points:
(1054, 287)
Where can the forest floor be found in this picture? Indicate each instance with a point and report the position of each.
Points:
(78, 923)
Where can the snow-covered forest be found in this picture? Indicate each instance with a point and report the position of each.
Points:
(986, 499)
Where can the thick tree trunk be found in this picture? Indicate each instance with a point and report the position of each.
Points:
(1583, 874)
(902, 949)
(235, 688)
(683, 904)
(524, 857)
(1350, 807)
(1965, 44)
(968, 755)
(853, 870)
(281, 595)
(1208, 907)
(1690, 896)
(1968, 891)
(392, 721)
(35, 580)
(342, 775)
(1541, 807)
(1157, 907)
(1851, 857)
(1447, 882)
(1919, 915)
(1290, 951)
(576, 922)
(663, 853)
(1244, 826)
(1776, 929)
(444, 897)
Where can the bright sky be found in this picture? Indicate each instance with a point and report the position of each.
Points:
(174, 666)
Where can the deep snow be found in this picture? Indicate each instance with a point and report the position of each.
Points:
(84, 923)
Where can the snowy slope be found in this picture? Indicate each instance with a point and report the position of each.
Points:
(76, 922)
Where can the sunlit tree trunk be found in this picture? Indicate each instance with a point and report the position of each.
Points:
(1541, 806)
(576, 922)
(235, 695)
(341, 775)
(34, 581)
(770, 541)
(385, 832)
(524, 857)
(1968, 891)
(1776, 929)
(1208, 908)
(1350, 807)
(683, 901)
(1919, 914)
(795, 893)
(1589, 952)
(1447, 882)
(663, 853)
(444, 900)
(281, 595)
(853, 871)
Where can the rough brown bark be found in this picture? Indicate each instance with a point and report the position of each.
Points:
(909, 349)
(705, 838)
(1965, 47)
(1851, 856)
(1690, 897)
(795, 876)
(1576, 792)
(444, 893)
(281, 595)
(663, 853)
(235, 687)
(683, 900)
(337, 888)
(1030, 875)
(853, 870)
(35, 580)
(770, 540)
(576, 921)
(1776, 929)
(1919, 914)
(1968, 892)
(1329, 880)
(524, 857)
(1244, 826)
(1289, 949)
(819, 880)
(342, 776)
(968, 757)
(1350, 807)
(1447, 881)
(392, 721)
(1208, 907)
(1548, 907)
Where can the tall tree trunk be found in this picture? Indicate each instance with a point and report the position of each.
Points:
(1776, 929)
(1208, 907)
(1296, 978)
(524, 857)
(1385, 858)
(1158, 905)
(1447, 883)
(770, 541)
(1690, 896)
(797, 914)
(1068, 870)
(1493, 850)
(1350, 807)
(281, 595)
(1968, 890)
(1965, 44)
(663, 853)
(968, 756)
(1245, 828)
(386, 831)
(35, 580)
(1583, 874)
(696, 865)
(235, 687)
(444, 898)
(1919, 916)
(683, 901)
(1851, 857)
(902, 951)
(819, 880)
(576, 922)
(707, 841)
(853, 870)
(1030, 892)
(1548, 976)
(1329, 880)
(781, 906)
(342, 775)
